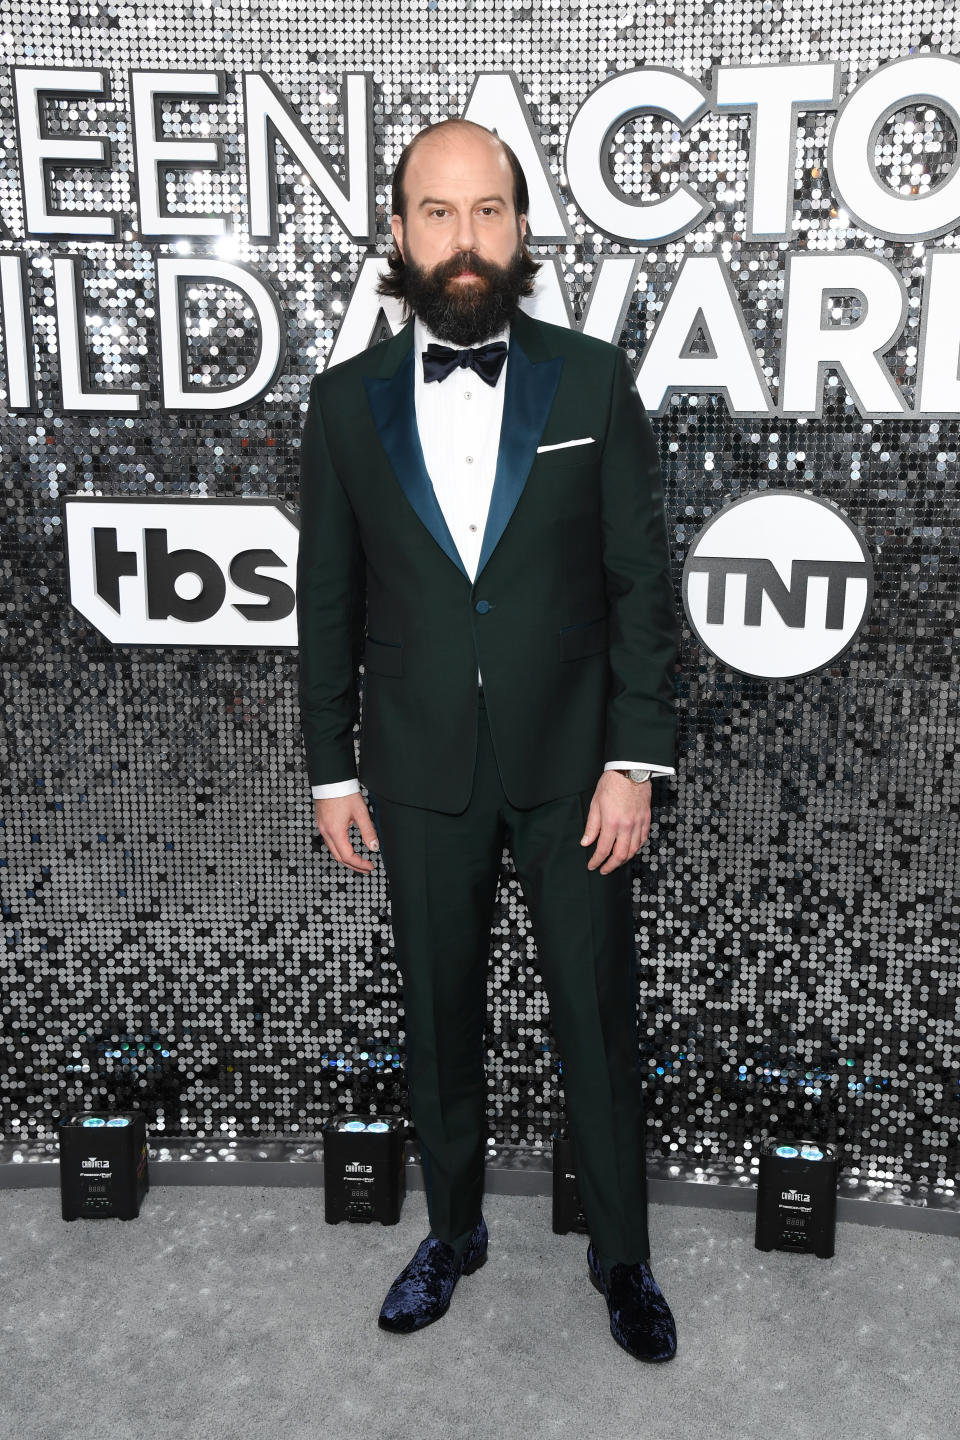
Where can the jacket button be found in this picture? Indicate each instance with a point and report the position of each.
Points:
(482, 606)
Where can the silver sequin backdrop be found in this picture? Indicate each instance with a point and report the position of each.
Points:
(173, 934)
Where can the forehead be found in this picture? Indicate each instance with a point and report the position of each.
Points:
(459, 163)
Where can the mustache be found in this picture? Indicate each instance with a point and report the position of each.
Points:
(465, 261)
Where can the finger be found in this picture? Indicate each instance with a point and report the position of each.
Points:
(605, 844)
(338, 843)
(368, 833)
(592, 829)
(353, 861)
(620, 853)
(624, 846)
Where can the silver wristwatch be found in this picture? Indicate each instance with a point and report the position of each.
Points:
(637, 776)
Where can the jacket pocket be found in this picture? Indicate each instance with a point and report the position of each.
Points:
(570, 457)
(383, 657)
(586, 638)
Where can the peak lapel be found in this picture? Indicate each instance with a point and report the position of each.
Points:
(530, 389)
(393, 405)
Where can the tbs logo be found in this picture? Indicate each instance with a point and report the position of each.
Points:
(777, 584)
(183, 572)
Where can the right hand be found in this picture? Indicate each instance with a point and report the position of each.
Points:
(334, 818)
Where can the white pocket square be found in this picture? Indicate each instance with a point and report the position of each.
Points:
(563, 444)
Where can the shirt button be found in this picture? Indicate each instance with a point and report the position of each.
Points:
(472, 529)
(482, 606)
(469, 459)
(468, 394)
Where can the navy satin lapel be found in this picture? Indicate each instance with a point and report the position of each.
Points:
(529, 393)
(394, 411)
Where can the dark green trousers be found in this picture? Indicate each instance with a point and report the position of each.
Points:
(442, 872)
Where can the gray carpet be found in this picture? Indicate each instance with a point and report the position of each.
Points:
(228, 1312)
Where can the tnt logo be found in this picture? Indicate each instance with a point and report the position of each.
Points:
(777, 584)
(183, 572)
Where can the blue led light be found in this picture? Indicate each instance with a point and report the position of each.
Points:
(353, 1125)
(811, 1152)
(92, 1121)
(378, 1126)
(117, 1120)
(787, 1151)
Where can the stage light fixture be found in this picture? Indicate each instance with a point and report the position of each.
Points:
(363, 1173)
(103, 1164)
(797, 1197)
(567, 1206)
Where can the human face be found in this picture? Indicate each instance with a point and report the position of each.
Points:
(458, 188)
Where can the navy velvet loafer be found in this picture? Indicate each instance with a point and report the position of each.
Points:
(421, 1292)
(640, 1318)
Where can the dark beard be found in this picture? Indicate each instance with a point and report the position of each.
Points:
(470, 313)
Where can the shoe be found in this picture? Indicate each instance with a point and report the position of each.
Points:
(421, 1292)
(640, 1318)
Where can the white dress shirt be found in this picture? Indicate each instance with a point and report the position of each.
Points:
(459, 421)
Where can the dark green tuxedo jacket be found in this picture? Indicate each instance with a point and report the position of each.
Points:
(572, 619)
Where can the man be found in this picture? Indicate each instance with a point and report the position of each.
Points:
(482, 525)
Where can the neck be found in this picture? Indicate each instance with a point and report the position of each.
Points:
(424, 336)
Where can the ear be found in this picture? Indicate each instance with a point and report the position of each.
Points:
(396, 225)
(523, 228)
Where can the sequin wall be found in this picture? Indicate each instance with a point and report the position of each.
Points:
(174, 934)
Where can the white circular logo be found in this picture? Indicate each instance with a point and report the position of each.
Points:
(777, 584)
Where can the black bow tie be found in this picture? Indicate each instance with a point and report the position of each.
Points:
(487, 360)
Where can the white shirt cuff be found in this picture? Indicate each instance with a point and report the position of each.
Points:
(639, 765)
(335, 789)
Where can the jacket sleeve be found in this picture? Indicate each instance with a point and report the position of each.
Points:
(644, 625)
(330, 607)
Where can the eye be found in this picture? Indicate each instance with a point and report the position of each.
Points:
(438, 211)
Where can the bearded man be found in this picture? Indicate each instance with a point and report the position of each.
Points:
(482, 527)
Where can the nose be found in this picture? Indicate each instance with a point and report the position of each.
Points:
(466, 233)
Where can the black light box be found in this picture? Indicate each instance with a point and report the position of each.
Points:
(797, 1197)
(567, 1206)
(103, 1164)
(363, 1174)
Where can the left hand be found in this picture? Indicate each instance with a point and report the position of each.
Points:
(618, 820)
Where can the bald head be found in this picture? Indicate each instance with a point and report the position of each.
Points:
(462, 142)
